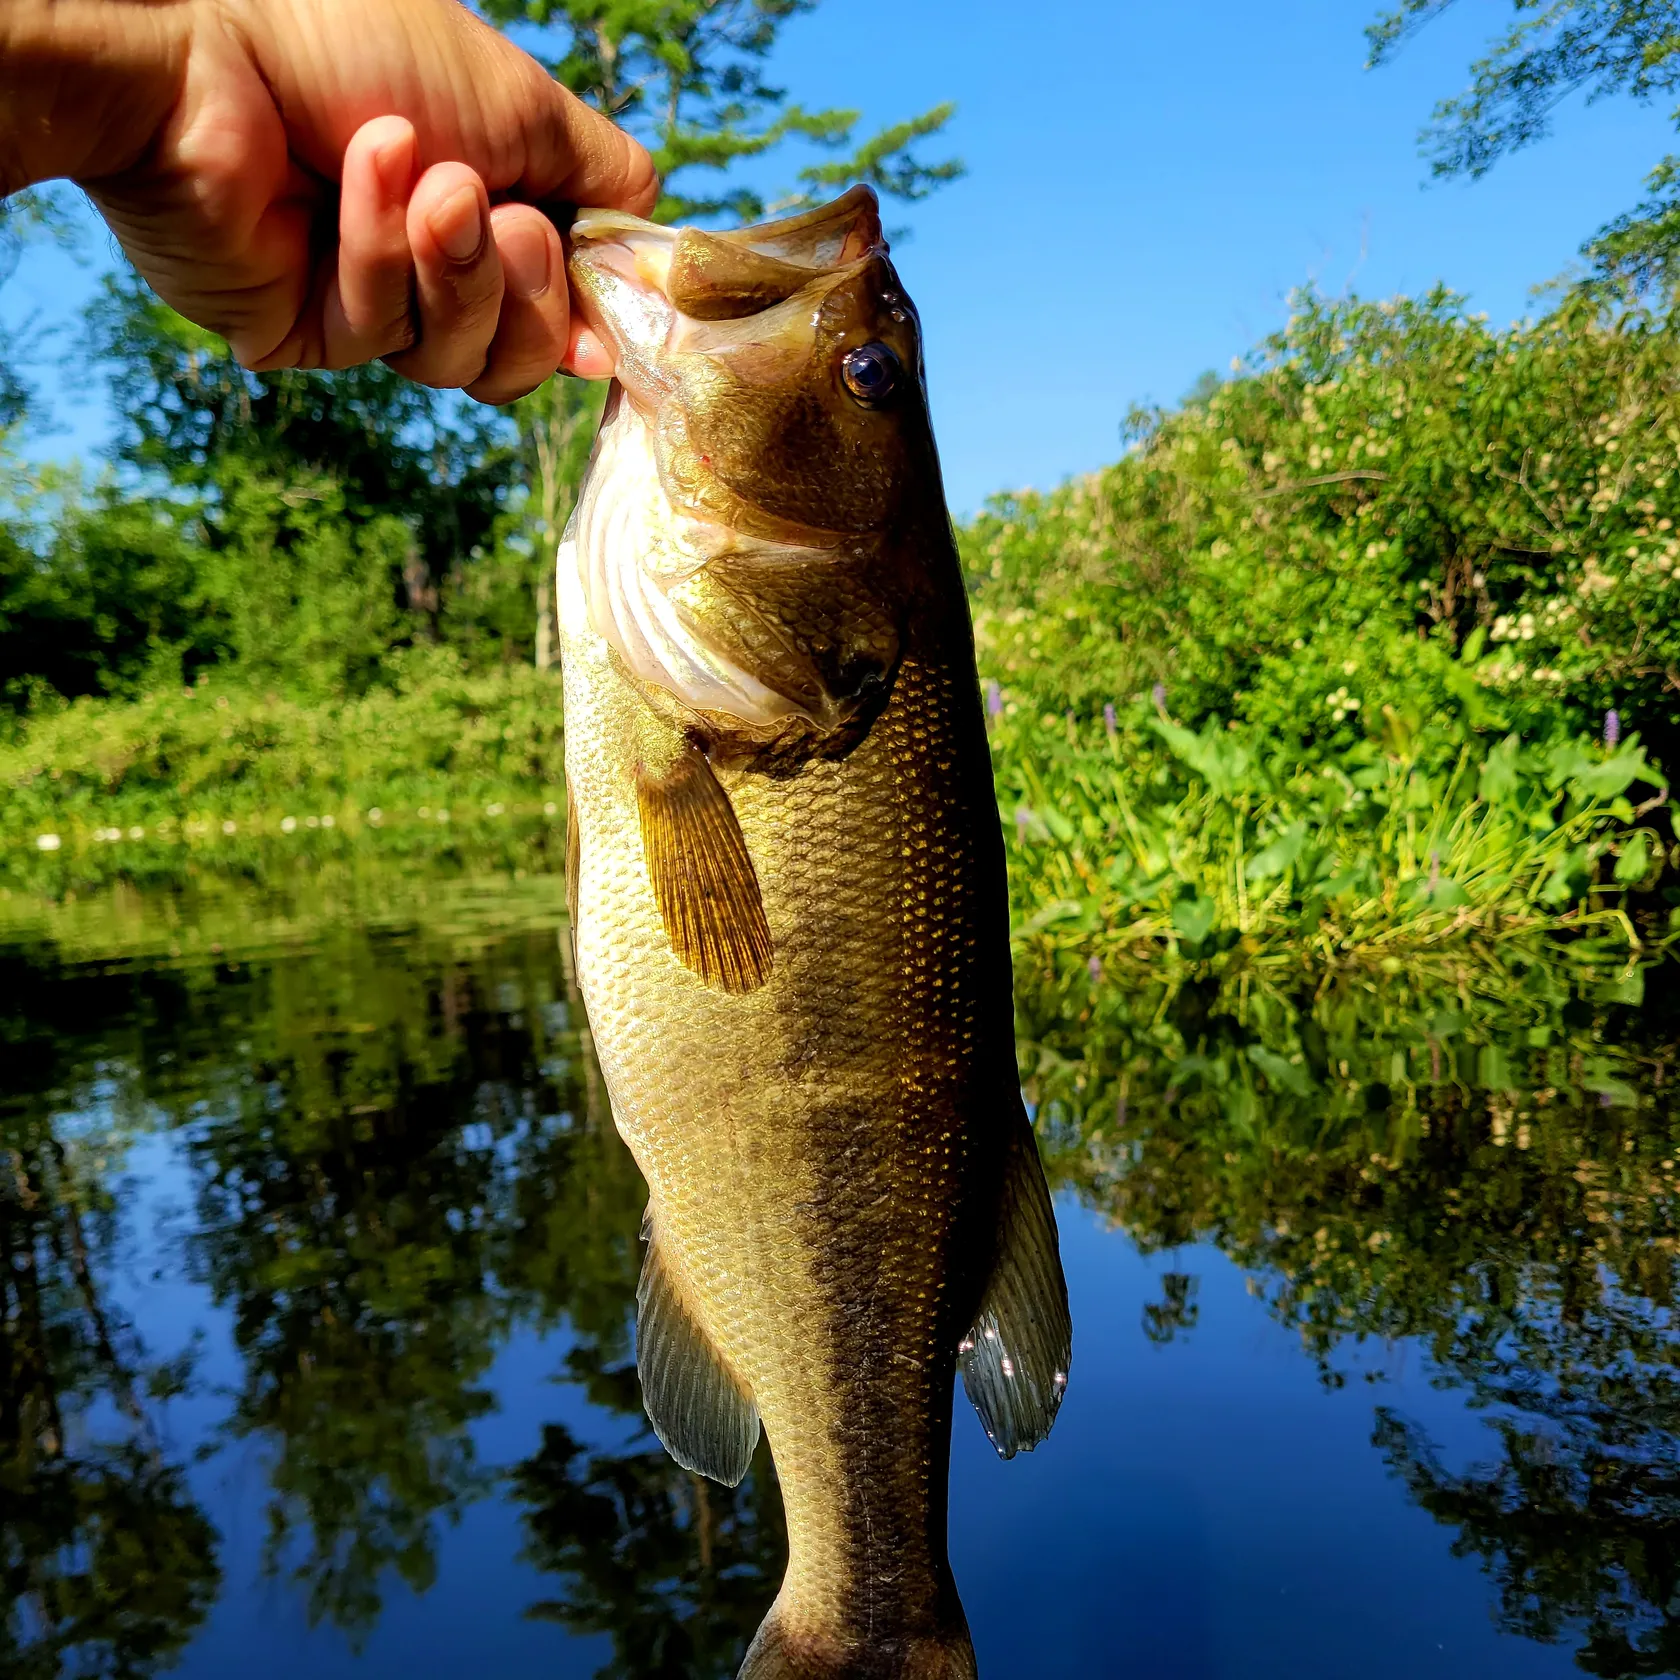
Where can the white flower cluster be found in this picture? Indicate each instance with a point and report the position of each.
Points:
(1517, 629)
(1341, 704)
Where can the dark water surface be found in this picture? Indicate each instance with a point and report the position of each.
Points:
(318, 1256)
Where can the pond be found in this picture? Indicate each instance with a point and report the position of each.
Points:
(317, 1267)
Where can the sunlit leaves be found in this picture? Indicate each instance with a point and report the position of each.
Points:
(1551, 51)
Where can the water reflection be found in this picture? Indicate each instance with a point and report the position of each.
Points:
(1495, 1174)
(380, 1156)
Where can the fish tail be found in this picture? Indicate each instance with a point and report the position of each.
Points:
(777, 1655)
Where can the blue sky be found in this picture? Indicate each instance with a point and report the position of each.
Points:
(1146, 185)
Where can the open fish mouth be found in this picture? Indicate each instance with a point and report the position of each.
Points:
(645, 286)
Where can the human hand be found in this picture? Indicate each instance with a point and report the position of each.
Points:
(324, 182)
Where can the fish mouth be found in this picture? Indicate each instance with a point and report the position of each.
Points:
(651, 291)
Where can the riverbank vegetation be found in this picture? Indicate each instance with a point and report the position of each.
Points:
(1366, 648)
(1371, 645)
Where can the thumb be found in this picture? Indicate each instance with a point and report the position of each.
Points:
(571, 153)
(579, 157)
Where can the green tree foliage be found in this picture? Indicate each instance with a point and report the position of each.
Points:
(332, 516)
(1552, 50)
(112, 607)
(688, 75)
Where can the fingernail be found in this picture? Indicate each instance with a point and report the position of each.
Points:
(393, 163)
(525, 263)
(458, 225)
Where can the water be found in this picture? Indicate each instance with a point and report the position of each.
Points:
(318, 1253)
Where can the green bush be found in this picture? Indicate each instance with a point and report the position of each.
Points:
(98, 788)
(1354, 648)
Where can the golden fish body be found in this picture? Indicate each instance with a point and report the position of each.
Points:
(791, 935)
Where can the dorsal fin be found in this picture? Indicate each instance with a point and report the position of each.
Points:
(1015, 1359)
(705, 1418)
(703, 878)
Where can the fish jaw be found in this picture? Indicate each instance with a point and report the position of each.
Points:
(710, 276)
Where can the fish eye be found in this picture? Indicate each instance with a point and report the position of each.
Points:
(871, 373)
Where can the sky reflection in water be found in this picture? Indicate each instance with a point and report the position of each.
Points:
(318, 1256)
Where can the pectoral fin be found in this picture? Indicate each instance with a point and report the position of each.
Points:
(703, 877)
(1015, 1359)
(703, 1416)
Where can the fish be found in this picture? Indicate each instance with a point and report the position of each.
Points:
(789, 915)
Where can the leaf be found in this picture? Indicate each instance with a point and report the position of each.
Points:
(1284, 1075)
(1193, 918)
(1614, 775)
(1635, 860)
(1443, 893)
(1493, 1069)
(1279, 855)
(1626, 988)
(1498, 782)
(1220, 761)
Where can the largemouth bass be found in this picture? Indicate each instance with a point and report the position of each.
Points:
(790, 920)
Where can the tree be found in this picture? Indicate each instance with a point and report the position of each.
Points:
(687, 75)
(331, 516)
(1552, 50)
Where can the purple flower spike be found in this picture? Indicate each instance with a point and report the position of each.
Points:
(1023, 821)
(1159, 695)
(1110, 722)
(994, 700)
(1095, 966)
(1612, 728)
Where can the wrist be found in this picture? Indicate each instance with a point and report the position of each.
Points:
(85, 85)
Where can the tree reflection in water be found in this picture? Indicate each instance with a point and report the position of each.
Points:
(107, 1566)
(678, 1570)
(1496, 1174)
(399, 1156)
